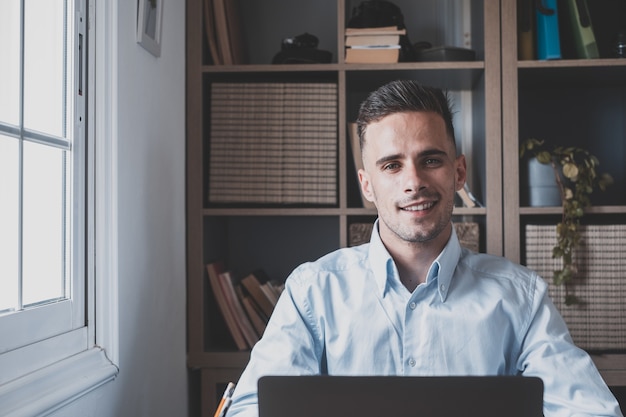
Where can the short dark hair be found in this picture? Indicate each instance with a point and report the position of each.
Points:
(404, 96)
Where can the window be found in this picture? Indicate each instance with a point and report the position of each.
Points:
(48, 219)
(42, 163)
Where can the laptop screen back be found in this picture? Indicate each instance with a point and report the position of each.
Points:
(399, 396)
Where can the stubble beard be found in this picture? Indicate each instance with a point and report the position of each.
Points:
(422, 231)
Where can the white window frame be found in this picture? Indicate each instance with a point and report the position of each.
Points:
(45, 376)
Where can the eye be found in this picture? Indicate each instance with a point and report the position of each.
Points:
(391, 166)
(432, 162)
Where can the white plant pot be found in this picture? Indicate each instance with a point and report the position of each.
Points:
(543, 190)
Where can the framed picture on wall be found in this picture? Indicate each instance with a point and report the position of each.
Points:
(149, 19)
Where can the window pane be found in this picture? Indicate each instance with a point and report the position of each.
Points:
(9, 221)
(44, 66)
(10, 68)
(44, 223)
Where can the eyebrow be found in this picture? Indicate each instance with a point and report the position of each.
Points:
(425, 153)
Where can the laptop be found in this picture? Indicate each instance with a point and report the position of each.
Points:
(400, 396)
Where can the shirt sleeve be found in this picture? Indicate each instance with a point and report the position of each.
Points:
(290, 346)
(573, 386)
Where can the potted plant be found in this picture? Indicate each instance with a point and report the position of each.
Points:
(576, 177)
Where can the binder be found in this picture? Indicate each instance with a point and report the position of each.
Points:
(547, 21)
(582, 30)
(526, 30)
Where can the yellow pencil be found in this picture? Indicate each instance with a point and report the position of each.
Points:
(225, 401)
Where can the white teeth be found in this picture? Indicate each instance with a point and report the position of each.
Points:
(419, 207)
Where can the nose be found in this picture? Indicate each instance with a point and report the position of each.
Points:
(414, 179)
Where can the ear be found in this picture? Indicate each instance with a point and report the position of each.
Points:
(461, 171)
(366, 185)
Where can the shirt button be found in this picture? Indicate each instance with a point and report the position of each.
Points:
(442, 287)
(411, 362)
(413, 305)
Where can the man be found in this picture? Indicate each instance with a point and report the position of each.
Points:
(412, 301)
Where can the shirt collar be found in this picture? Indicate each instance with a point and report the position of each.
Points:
(443, 267)
(447, 261)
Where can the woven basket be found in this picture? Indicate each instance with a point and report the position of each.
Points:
(598, 323)
(467, 232)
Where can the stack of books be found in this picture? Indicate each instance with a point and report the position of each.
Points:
(373, 45)
(247, 305)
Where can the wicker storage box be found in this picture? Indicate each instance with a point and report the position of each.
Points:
(265, 135)
(467, 232)
(599, 322)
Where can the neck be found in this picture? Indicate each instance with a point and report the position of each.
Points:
(413, 259)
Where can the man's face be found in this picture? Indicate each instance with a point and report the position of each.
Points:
(411, 174)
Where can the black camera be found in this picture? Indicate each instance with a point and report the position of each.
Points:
(301, 49)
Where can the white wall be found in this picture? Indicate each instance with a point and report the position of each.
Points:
(151, 144)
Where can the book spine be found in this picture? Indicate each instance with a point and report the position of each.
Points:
(214, 270)
(237, 309)
(253, 286)
(584, 37)
(525, 29)
(547, 21)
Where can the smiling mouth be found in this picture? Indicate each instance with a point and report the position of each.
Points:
(419, 207)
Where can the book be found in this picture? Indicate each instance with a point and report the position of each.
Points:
(241, 317)
(365, 40)
(214, 269)
(525, 29)
(235, 31)
(383, 30)
(547, 25)
(223, 29)
(468, 198)
(374, 55)
(379, 44)
(221, 26)
(582, 30)
(270, 292)
(358, 160)
(211, 34)
(257, 317)
(252, 284)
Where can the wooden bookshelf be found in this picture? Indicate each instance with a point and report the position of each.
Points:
(494, 97)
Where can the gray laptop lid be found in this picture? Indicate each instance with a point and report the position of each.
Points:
(398, 396)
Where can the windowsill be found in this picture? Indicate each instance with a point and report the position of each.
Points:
(52, 387)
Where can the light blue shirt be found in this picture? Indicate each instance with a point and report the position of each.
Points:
(348, 314)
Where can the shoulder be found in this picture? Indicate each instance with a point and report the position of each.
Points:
(499, 272)
(335, 265)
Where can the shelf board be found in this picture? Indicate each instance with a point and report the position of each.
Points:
(558, 210)
(218, 69)
(318, 211)
(440, 65)
(573, 63)
(453, 75)
(279, 211)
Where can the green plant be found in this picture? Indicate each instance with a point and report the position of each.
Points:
(576, 176)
